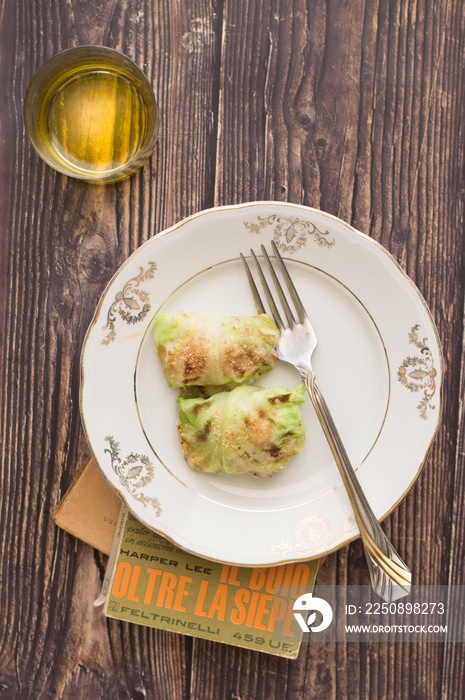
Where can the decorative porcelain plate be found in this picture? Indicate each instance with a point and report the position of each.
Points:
(378, 362)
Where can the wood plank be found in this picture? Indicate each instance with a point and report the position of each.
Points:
(62, 240)
(454, 659)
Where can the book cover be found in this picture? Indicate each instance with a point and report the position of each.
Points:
(152, 582)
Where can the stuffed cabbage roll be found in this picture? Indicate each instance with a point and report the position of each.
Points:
(248, 429)
(200, 349)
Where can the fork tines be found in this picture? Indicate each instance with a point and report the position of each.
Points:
(301, 315)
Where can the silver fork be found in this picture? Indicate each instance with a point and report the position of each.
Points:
(390, 578)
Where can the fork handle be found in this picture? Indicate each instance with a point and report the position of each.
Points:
(389, 575)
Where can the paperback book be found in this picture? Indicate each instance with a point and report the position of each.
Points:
(152, 582)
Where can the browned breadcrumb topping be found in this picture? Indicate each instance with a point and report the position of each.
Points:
(193, 358)
(259, 427)
(188, 360)
(193, 363)
(247, 359)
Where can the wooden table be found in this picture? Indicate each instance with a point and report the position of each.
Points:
(356, 108)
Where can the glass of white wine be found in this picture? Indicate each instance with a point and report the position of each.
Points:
(90, 113)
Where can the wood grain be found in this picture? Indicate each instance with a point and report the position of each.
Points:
(356, 108)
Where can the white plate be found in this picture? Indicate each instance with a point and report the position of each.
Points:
(378, 361)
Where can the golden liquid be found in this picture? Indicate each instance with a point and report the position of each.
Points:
(96, 121)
